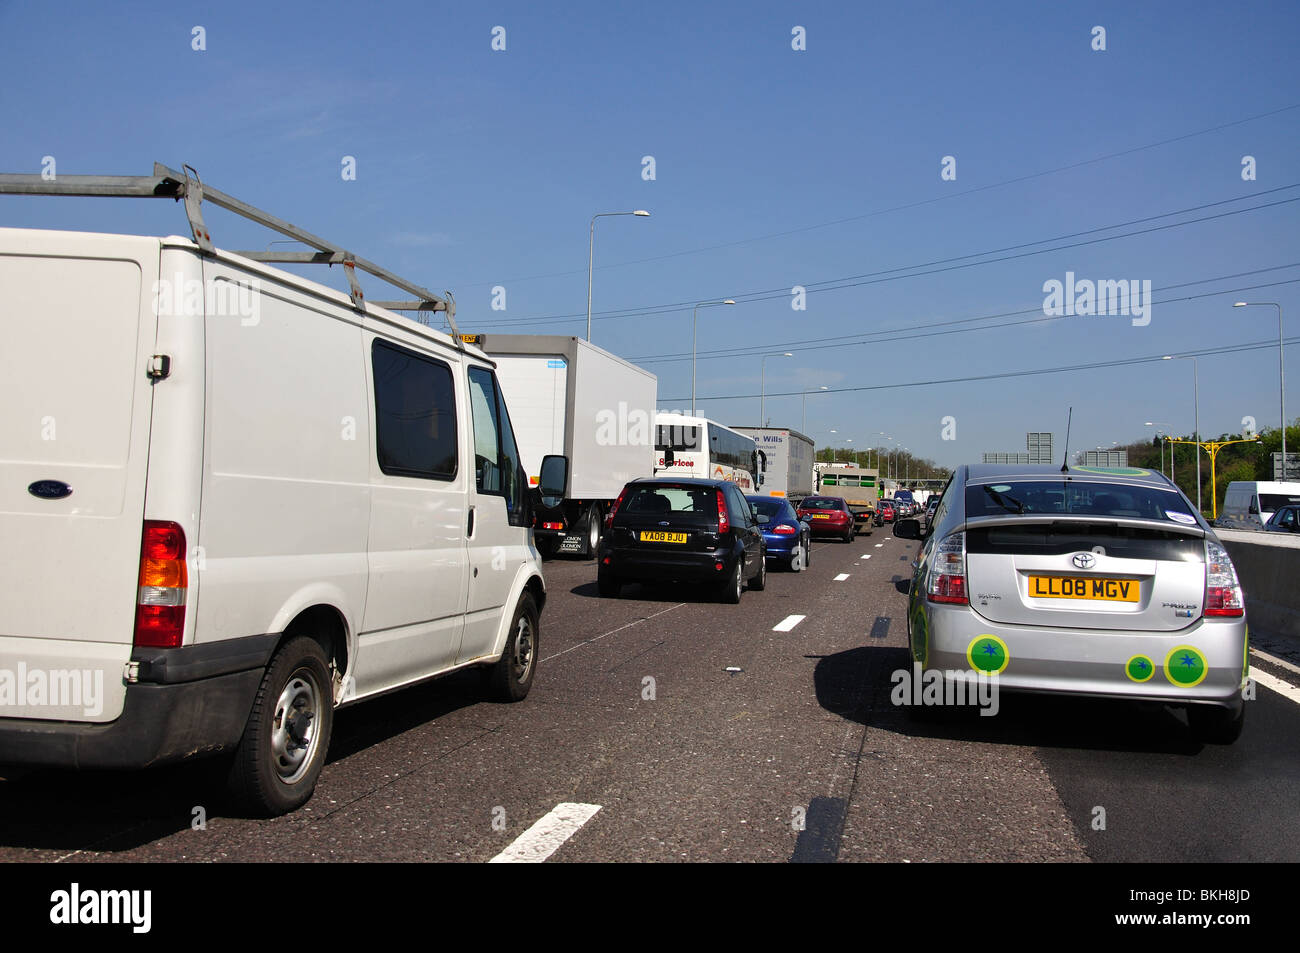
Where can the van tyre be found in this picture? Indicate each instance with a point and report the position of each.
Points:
(512, 676)
(1214, 725)
(282, 751)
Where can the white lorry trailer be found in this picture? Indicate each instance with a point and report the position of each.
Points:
(566, 392)
(788, 459)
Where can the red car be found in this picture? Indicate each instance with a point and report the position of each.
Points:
(886, 512)
(828, 516)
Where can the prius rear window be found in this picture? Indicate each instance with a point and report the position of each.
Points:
(1070, 498)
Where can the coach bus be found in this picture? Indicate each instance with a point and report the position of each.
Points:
(706, 449)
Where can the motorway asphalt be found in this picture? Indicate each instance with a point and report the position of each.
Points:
(797, 756)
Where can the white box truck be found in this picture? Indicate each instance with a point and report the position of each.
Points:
(233, 500)
(577, 400)
(786, 458)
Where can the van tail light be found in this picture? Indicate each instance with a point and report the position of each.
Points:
(724, 524)
(164, 581)
(1223, 596)
(618, 505)
(947, 582)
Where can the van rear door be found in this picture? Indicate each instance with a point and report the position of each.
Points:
(79, 327)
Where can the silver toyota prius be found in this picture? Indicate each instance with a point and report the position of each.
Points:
(1082, 581)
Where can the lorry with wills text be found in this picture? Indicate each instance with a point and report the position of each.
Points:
(857, 486)
(788, 455)
(566, 392)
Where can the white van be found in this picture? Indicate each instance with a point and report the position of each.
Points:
(232, 501)
(1249, 504)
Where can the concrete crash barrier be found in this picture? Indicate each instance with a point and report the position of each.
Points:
(1268, 566)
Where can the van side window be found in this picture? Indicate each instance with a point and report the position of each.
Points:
(497, 466)
(415, 413)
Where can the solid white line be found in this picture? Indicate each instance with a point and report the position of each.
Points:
(597, 638)
(841, 577)
(546, 836)
(1276, 661)
(1285, 689)
(788, 623)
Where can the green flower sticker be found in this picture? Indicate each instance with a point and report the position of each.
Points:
(1185, 666)
(1140, 668)
(988, 654)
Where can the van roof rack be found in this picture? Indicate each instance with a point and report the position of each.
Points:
(167, 183)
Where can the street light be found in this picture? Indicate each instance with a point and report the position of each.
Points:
(1281, 380)
(695, 324)
(762, 394)
(805, 406)
(591, 251)
(1160, 433)
(1196, 406)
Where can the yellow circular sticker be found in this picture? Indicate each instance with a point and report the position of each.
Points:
(1185, 666)
(988, 654)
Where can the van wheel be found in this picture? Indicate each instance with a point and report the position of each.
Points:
(1214, 725)
(281, 754)
(731, 589)
(510, 678)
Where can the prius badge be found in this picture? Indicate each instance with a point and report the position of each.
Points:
(1084, 560)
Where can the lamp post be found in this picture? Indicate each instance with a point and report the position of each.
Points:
(591, 252)
(695, 324)
(804, 426)
(762, 394)
(1281, 379)
(1196, 407)
(1160, 433)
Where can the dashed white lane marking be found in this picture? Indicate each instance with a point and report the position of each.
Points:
(597, 638)
(546, 836)
(865, 556)
(878, 545)
(1285, 689)
(788, 623)
(1276, 661)
(841, 577)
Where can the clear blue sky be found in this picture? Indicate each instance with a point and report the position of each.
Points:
(478, 168)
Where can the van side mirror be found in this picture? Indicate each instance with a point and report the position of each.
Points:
(554, 479)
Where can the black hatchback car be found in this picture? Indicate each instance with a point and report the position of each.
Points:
(666, 530)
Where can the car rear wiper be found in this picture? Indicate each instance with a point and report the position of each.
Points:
(1003, 501)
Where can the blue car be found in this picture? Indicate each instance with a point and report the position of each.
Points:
(788, 539)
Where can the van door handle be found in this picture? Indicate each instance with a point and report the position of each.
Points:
(469, 529)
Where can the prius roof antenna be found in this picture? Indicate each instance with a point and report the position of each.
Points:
(1065, 464)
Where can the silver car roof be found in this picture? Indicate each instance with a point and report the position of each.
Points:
(990, 472)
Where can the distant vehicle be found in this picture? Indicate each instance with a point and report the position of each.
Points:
(683, 530)
(859, 487)
(828, 516)
(1285, 520)
(787, 537)
(786, 461)
(931, 506)
(1248, 504)
(904, 496)
(702, 449)
(559, 390)
(886, 512)
(1083, 583)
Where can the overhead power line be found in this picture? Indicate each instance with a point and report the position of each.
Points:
(950, 264)
(947, 196)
